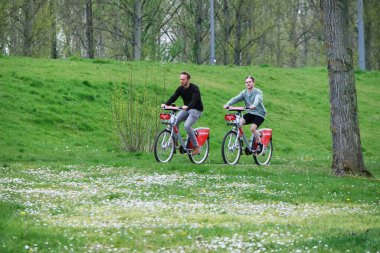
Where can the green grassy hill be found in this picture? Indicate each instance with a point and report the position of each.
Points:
(59, 110)
(65, 186)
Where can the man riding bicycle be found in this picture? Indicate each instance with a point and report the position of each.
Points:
(253, 99)
(192, 108)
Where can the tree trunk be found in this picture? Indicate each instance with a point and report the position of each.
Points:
(89, 30)
(278, 47)
(53, 34)
(294, 16)
(28, 27)
(226, 31)
(367, 41)
(304, 27)
(137, 20)
(250, 28)
(238, 33)
(198, 32)
(347, 151)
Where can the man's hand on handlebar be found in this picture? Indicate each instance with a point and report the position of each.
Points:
(173, 107)
(233, 108)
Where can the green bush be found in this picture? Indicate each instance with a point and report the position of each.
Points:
(132, 115)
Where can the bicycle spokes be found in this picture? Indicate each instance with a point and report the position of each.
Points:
(164, 146)
(231, 148)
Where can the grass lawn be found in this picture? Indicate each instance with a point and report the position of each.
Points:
(179, 207)
(66, 187)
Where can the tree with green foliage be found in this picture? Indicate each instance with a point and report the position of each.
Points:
(247, 32)
(344, 124)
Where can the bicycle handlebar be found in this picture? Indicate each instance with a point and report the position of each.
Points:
(173, 108)
(239, 108)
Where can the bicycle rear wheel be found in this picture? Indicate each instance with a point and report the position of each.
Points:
(265, 156)
(202, 155)
(164, 146)
(231, 148)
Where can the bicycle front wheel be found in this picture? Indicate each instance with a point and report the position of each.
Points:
(231, 148)
(202, 155)
(164, 146)
(265, 156)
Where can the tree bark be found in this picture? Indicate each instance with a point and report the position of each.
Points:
(28, 27)
(137, 20)
(238, 33)
(293, 17)
(198, 32)
(89, 30)
(227, 28)
(344, 124)
(53, 34)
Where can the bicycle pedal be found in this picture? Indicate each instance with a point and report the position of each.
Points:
(181, 150)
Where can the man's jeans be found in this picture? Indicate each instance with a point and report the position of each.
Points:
(191, 116)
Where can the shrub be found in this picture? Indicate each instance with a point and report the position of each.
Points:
(134, 118)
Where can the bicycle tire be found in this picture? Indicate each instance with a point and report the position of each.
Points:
(203, 154)
(265, 157)
(233, 145)
(164, 143)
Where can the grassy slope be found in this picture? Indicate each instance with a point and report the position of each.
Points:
(59, 110)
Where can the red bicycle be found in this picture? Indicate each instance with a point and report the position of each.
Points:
(164, 145)
(235, 139)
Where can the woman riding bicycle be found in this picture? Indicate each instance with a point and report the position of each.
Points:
(253, 99)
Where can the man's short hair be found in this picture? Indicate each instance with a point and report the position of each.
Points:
(187, 75)
(250, 77)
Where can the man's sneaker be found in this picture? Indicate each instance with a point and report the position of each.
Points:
(195, 151)
(260, 148)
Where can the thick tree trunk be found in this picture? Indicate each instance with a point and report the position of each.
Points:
(89, 30)
(347, 151)
(137, 20)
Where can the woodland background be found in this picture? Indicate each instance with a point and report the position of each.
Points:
(247, 32)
